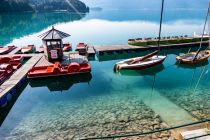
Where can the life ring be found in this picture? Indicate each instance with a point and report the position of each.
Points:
(9, 97)
(3, 102)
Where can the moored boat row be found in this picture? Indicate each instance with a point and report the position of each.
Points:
(6, 50)
(8, 65)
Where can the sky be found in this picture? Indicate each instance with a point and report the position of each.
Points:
(139, 4)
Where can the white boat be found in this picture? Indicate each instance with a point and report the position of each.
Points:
(141, 62)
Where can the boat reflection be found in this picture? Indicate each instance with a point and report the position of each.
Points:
(194, 66)
(60, 83)
(149, 71)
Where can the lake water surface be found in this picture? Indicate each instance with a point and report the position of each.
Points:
(107, 102)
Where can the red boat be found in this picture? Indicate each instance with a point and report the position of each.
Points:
(5, 71)
(5, 50)
(28, 49)
(57, 70)
(67, 47)
(82, 48)
(10, 60)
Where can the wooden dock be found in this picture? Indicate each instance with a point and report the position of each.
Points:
(14, 81)
(117, 48)
(91, 51)
(192, 131)
(68, 58)
(16, 50)
(100, 50)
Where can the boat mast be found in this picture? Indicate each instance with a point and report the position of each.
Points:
(200, 47)
(161, 19)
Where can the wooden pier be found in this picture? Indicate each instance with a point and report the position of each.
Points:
(200, 131)
(91, 51)
(16, 50)
(7, 89)
(100, 50)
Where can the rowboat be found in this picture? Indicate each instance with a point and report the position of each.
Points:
(149, 71)
(58, 70)
(144, 62)
(28, 49)
(67, 47)
(199, 56)
(192, 58)
(5, 50)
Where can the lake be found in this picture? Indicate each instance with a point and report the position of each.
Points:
(106, 102)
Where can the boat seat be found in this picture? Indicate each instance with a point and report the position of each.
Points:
(50, 69)
(57, 65)
(73, 67)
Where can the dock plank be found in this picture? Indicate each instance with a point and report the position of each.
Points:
(15, 50)
(112, 48)
(91, 50)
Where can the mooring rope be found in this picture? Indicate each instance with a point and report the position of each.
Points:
(145, 133)
(207, 15)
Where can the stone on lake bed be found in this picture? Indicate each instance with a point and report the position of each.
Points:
(95, 119)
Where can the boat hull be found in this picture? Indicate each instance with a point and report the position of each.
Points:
(140, 66)
(58, 70)
(7, 49)
(183, 60)
(55, 75)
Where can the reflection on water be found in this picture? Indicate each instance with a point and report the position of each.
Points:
(149, 71)
(60, 83)
(187, 66)
(15, 25)
(152, 15)
(93, 27)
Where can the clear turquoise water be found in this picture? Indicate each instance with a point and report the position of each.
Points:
(94, 104)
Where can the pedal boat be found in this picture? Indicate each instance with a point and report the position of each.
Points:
(143, 62)
(6, 70)
(28, 49)
(189, 58)
(81, 48)
(11, 60)
(57, 70)
(67, 47)
(6, 50)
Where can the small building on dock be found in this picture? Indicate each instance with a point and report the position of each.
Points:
(53, 44)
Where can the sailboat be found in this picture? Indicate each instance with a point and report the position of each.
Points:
(199, 56)
(146, 61)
